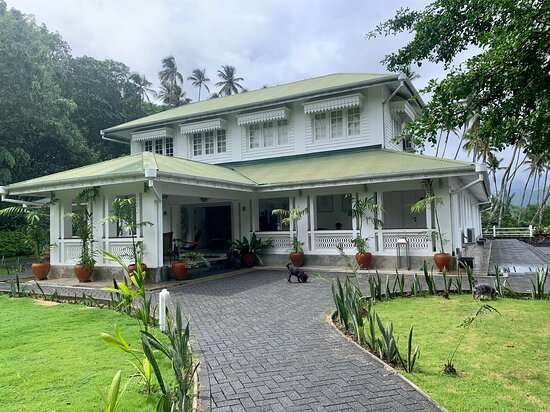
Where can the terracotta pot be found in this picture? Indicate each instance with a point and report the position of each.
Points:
(297, 259)
(363, 259)
(132, 268)
(40, 270)
(443, 260)
(83, 273)
(179, 269)
(248, 259)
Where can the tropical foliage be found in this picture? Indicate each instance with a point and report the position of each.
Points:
(229, 82)
(290, 218)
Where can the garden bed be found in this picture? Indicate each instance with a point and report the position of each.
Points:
(502, 362)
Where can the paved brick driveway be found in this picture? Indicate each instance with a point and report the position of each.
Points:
(264, 345)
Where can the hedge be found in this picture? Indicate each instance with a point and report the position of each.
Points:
(12, 243)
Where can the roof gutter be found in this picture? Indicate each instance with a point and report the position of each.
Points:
(103, 137)
(362, 85)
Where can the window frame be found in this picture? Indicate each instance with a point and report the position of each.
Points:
(328, 118)
(217, 136)
(278, 138)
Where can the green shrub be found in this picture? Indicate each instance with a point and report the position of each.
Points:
(13, 243)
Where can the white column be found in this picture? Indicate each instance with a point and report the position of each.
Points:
(55, 233)
(152, 234)
(301, 203)
(441, 189)
(312, 220)
(380, 202)
(97, 217)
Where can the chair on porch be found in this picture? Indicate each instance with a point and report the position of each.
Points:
(179, 245)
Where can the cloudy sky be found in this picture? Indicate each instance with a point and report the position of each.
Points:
(269, 42)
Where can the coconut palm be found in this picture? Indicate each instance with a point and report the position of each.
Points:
(229, 84)
(199, 79)
(493, 164)
(173, 96)
(410, 73)
(169, 74)
(143, 86)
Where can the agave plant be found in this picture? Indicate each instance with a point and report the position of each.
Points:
(498, 281)
(387, 343)
(114, 394)
(429, 278)
(539, 283)
(412, 355)
(375, 287)
(416, 287)
(458, 282)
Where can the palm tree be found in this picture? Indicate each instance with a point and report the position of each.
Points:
(199, 79)
(173, 96)
(229, 84)
(410, 73)
(169, 74)
(493, 164)
(143, 86)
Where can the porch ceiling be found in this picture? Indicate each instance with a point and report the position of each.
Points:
(355, 166)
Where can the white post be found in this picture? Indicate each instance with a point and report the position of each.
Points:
(530, 230)
(164, 297)
(494, 231)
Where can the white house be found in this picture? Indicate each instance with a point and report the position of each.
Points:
(213, 171)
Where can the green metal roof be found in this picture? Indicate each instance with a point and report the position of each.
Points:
(254, 97)
(133, 166)
(346, 164)
(314, 168)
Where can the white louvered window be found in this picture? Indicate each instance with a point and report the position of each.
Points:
(336, 124)
(169, 146)
(158, 146)
(282, 132)
(209, 142)
(221, 141)
(354, 121)
(267, 134)
(197, 144)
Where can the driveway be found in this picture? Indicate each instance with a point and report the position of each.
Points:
(264, 344)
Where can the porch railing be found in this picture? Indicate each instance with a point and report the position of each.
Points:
(418, 239)
(509, 232)
(329, 240)
(281, 241)
(71, 249)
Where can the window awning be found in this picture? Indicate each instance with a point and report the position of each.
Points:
(153, 134)
(335, 103)
(203, 126)
(263, 116)
(402, 109)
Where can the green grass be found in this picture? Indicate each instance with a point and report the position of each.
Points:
(503, 363)
(53, 359)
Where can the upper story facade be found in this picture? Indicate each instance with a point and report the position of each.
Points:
(333, 112)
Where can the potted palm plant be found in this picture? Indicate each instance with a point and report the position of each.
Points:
(83, 226)
(364, 210)
(36, 235)
(441, 259)
(289, 217)
(251, 250)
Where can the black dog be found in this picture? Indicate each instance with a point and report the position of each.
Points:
(299, 273)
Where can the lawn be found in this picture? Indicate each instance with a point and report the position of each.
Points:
(53, 358)
(503, 362)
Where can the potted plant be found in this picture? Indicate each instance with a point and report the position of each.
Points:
(289, 217)
(190, 260)
(125, 217)
(441, 259)
(251, 250)
(83, 227)
(36, 235)
(364, 210)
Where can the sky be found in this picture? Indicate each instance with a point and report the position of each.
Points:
(269, 42)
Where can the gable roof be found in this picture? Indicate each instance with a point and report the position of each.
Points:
(264, 96)
(358, 165)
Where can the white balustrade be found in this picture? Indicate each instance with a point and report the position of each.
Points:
(329, 240)
(72, 249)
(418, 239)
(280, 241)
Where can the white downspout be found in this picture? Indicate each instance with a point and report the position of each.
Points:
(402, 77)
(24, 203)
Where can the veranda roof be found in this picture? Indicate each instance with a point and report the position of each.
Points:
(348, 166)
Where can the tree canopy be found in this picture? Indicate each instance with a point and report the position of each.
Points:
(52, 106)
(502, 89)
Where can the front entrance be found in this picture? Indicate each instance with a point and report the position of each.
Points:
(217, 227)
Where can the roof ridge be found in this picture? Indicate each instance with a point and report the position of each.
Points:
(423, 156)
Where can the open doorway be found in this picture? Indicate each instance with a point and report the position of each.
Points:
(212, 227)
